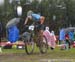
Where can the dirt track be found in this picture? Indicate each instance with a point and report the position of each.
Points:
(36, 57)
(22, 57)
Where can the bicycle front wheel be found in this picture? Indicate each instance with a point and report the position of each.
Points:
(29, 46)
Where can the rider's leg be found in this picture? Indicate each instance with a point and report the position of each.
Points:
(41, 33)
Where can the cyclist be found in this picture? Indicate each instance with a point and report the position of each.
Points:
(36, 18)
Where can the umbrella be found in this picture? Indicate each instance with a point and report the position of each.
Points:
(12, 22)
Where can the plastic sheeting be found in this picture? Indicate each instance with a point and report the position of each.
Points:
(13, 34)
(12, 22)
(50, 38)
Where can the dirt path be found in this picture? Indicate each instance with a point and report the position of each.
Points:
(20, 57)
(36, 57)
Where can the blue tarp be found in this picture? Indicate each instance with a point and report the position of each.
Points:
(62, 34)
(13, 34)
(71, 35)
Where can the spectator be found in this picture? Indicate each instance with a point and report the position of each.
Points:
(50, 38)
(53, 39)
(62, 36)
(67, 40)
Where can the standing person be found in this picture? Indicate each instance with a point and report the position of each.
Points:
(53, 39)
(47, 34)
(62, 38)
(50, 36)
(67, 40)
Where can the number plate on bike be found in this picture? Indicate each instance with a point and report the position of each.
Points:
(31, 27)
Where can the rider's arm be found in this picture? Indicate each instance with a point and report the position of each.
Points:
(26, 20)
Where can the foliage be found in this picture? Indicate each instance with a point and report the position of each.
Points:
(64, 10)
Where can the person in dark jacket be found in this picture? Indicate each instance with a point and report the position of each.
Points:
(67, 38)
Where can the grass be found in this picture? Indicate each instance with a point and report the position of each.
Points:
(19, 55)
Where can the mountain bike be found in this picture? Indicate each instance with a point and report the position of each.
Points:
(29, 37)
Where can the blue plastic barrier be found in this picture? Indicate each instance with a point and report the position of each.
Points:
(13, 34)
